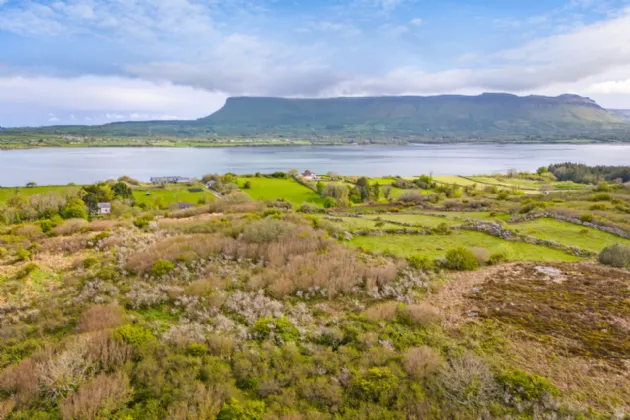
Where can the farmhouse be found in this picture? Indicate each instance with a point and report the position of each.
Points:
(309, 176)
(104, 208)
(211, 183)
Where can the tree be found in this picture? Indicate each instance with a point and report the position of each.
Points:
(376, 191)
(338, 192)
(363, 185)
(247, 185)
(320, 187)
(31, 184)
(97, 193)
(122, 190)
(293, 172)
(330, 203)
(387, 192)
(75, 209)
(542, 170)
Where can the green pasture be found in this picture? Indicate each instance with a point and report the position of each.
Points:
(436, 246)
(568, 234)
(419, 219)
(276, 188)
(6, 193)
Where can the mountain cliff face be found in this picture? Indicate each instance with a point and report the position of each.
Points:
(448, 115)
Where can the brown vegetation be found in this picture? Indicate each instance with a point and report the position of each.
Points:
(100, 317)
(104, 393)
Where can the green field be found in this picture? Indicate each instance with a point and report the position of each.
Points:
(382, 181)
(5, 193)
(568, 234)
(448, 179)
(435, 246)
(275, 188)
(171, 194)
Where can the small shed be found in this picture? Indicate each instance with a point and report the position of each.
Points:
(104, 208)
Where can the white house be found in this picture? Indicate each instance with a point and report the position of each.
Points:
(104, 208)
(309, 176)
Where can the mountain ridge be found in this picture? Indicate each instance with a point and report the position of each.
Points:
(485, 117)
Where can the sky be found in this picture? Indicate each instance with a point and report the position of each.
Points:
(99, 61)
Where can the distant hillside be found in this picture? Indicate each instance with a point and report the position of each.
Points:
(487, 117)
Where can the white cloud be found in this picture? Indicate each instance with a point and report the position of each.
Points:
(416, 21)
(610, 87)
(52, 117)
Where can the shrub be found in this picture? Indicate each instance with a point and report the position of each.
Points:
(196, 349)
(461, 259)
(133, 334)
(26, 270)
(603, 186)
(75, 209)
(234, 410)
(23, 254)
(266, 231)
(586, 218)
(601, 197)
(599, 206)
(70, 227)
(526, 387)
(161, 268)
(497, 258)
(413, 198)
(468, 381)
(329, 203)
(422, 361)
(422, 314)
(616, 256)
(100, 317)
(378, 384)
(442, 229)
(104, 393)
(421, 263)
(385, 311)
(281, 328)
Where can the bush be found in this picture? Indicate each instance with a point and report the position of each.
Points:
(461, 259)
(133, 334)
(233, 410)
(421, 263)
(23, 254)
(267, 231)
(162, 267)
(329, 203)
(601, 197)
(526, 387)
(442, 229)
(385, 311)
(497, 258)
(603, 186)
(26, 270)
(104, 394)
(586, 218)
(423, 361)
(100, 317)
(378, 384)
(280, 328)
(615, 256)
(421, 314)
(196, 349)
(599, 206)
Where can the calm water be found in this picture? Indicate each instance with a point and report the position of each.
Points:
(87, 165)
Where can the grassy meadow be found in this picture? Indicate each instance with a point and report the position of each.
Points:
(274, 189)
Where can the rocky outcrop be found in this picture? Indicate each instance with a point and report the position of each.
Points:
(532, 216)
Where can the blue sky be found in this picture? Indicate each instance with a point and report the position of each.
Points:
(96, 61)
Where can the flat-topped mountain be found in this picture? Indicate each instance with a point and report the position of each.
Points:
(489, 113)
(486, 117)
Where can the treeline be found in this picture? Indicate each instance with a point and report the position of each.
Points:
(584, 174)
